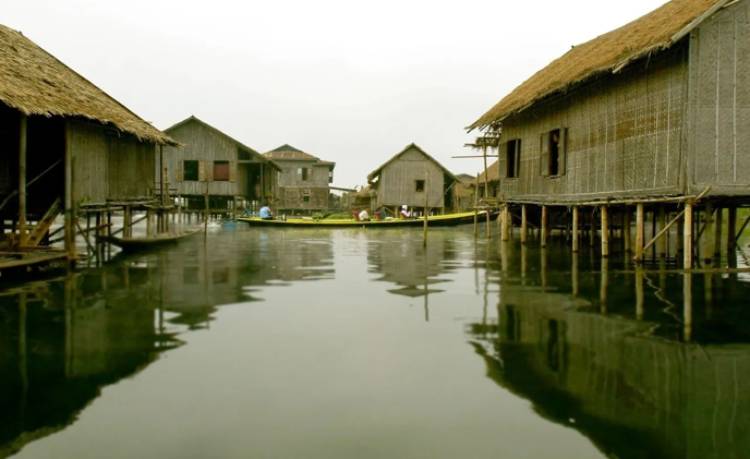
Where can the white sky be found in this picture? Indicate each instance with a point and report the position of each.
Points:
(347, 81)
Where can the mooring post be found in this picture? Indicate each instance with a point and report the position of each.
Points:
(574, 240)
(426, 213)
(605, 231)
(543, 229)
(524, 224)
(476, 210)
(687, 242)
(640, 232)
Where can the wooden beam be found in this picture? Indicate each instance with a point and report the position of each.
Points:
(543, 230)
(524, 224)
(687, 232)
(605, 231)
(575, 230)
(639, 232)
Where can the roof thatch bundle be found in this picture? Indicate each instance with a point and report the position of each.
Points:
(608, 53)
(34, 82)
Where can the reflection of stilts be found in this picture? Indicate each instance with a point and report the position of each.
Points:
(23, 366)
(604, 286)
(687, 306)
(639, 297)
(574, 274)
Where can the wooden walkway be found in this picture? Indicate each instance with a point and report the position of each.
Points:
(29, 258)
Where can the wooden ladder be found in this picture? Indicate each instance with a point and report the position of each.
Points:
(43, 225)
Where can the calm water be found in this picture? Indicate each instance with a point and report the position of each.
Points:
(351, 343)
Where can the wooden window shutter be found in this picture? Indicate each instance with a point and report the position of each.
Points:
(518, 158)
(202, 171)
(209, 168)
(563, 151)
(544, 154)
(179, 173)
(502, 156)
(232, 171)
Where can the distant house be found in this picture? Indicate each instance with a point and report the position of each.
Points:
(408, 176)
(64, 143)
(304, 181)
(463, 192)
(492, 177)
(231, 170)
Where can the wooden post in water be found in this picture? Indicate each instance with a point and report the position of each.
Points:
(574, 230)
(640, 232)
(605, 231)
(718, 227)
(687, 244)
(661, 243)
(543, 229)
(70, 234)
(476, 210)
(426, 212)
(626, 237)
(22, 130)
(524, 224)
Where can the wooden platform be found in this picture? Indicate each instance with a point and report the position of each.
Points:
(29, 258)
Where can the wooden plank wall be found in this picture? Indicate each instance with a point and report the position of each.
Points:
(318, 174)
(397, 182)
(203, 144)
(623, 136)
(719, 133)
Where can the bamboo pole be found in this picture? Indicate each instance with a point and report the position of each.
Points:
(639, 232)
(543, 230)
(605, 231)
(524, 224)
(22, 147)
(687, 232)
(476, 210)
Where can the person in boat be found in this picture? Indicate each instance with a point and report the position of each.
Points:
(405, 212)
(363, 215)
(265, 212)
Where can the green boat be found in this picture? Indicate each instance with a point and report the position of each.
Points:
(434, 220)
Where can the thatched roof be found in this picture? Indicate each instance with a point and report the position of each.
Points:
(493, 173)
(194, 119)
(606, 54)
(34, 82)
(377, 171)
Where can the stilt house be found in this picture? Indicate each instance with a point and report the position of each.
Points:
(412, 178)
(656, 110)
(211, 162)
(304, 181)
(64, 143)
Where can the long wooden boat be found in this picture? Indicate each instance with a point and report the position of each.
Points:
(434, 220)
(132, 244)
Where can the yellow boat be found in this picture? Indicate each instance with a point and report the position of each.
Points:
(306, 222)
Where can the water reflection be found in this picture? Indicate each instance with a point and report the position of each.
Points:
(634, 360)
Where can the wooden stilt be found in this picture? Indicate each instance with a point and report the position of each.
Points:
(661, 244)
(574, 234)
(718, 227)
(626, 235)
(605, 231)
(704, 239)
(731, 241)
(70, 214)
(476, 210)
(543, 230)
(505, 223)
(592, 229)
(427, 212)
(639, 232)
(524, 224)
(22, 130)
(687, 244)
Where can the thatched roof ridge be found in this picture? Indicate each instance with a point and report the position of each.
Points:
(34, 82)
(377, 171)
(606, 54)
(240, 145)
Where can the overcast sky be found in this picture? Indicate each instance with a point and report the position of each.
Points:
(347, 81)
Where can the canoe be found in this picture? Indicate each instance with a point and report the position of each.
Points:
(435, 220)
(132, 244)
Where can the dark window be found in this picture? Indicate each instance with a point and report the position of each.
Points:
(305, 173)
(554, 152)
(513, 158)
(243, 155)
(330, 176)
(306, 198)
(419, 186)
(190, 170)
(221, 171)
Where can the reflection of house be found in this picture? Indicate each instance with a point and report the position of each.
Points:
(412, 178)
(304, 180)
(210, 158)
(398, 260)
(634, 393)
(63, 141)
